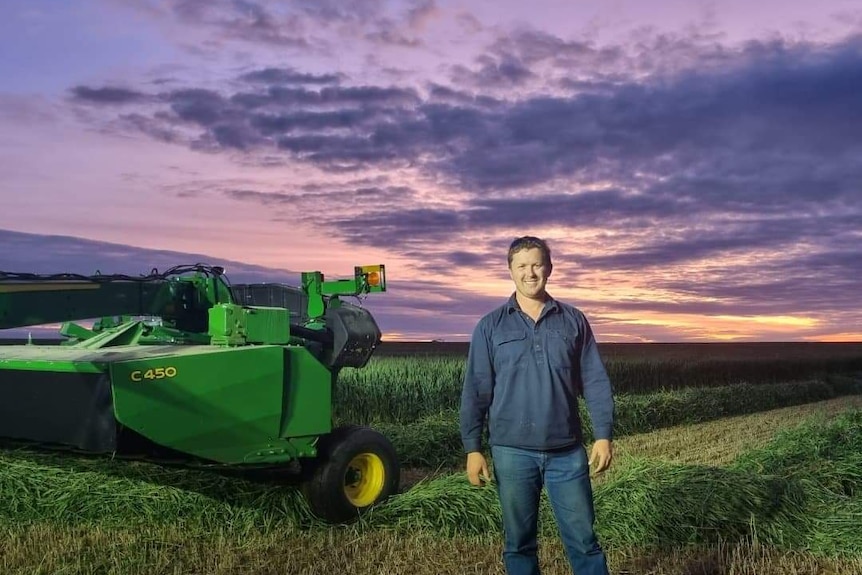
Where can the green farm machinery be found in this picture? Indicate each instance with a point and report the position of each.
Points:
(183, 366)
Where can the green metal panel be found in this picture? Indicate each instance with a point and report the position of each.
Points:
(226, 404)
(226, 325)
(267, 325)
(307, 406)
(231, 324)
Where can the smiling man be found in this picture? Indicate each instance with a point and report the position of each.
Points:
(529, 361)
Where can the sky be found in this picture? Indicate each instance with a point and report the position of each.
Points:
(695, 166)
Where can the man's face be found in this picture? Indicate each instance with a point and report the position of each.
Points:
(530, 273)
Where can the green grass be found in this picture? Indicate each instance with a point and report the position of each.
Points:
(813, 468)
(403, 389)
(65, 489)
(772, 510)
(799, 492)
(435, 440)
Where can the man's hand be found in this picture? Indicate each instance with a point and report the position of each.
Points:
(601, 455)
(477, 468)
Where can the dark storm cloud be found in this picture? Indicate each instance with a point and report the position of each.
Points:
(248, 119)
(204, 107)
(494, 72)
(583, 208)
(152, 127)
(586, 67)
(277, 76)
(330, 149)
(355, 12)
(735, 132)
(331, 199)
(373, 19)
(842, 256)
(534, 47)
(292, 24)
(270, 124)
(776, 286)
(233, 136)
(670, 231)
(632, 211)
(771, 100)
(109, 95)
(242, 20)
(448, 96)
(701, 240)
(683, 165)
(428, 220)
(390, 34)
(225, 127)
(570, 210)
(263, 198)
(333, 124)
(459, 258)
(347, 96)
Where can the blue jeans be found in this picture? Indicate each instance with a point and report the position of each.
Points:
(520, 475)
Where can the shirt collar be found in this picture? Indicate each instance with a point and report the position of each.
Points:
(512, 304)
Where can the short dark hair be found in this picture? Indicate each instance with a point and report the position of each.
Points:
(527, 243)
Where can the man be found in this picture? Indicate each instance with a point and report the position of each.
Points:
(529, 360)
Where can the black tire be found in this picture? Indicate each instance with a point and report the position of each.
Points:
(356, 468)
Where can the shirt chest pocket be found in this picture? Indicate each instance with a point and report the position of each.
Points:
(510, 348)
(561, 348)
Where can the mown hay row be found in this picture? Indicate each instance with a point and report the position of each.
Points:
(799, 492)
(39, 487)
(435, 441)
(778, 495)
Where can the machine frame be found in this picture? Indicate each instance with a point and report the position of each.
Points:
(185, 365)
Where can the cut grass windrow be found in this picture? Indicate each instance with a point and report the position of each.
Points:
(435, 440)
(39, 486)
(800, 492)
(779, 495)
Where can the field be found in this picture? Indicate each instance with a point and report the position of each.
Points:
(659, 351)
(738, 458)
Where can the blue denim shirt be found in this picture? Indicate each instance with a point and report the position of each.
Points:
(525, 377)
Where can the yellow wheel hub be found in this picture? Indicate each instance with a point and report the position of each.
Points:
(363, 482)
